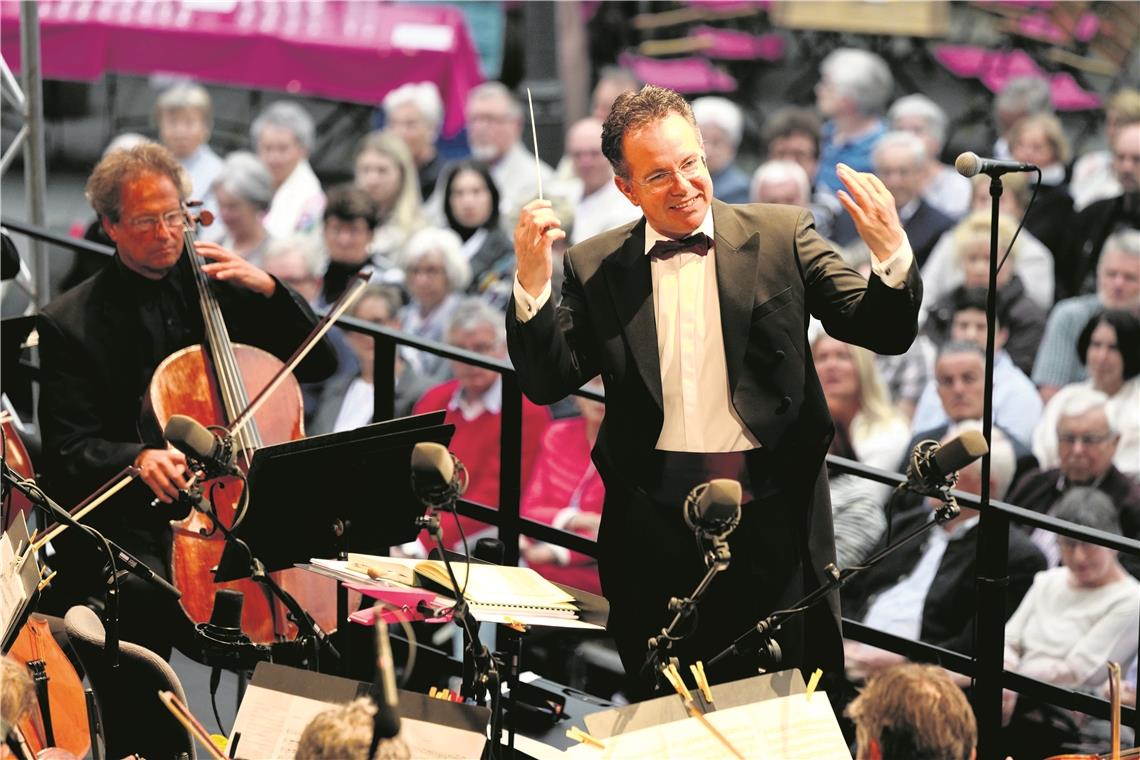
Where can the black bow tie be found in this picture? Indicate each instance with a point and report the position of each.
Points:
(697, 243)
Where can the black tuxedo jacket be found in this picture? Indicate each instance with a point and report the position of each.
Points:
(772, 270)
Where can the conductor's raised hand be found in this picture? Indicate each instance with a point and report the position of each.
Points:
(872, 207)
(227, 266)
(535, 234)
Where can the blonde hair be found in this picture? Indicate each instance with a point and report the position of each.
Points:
(1054, 133)
(976, 227)
(406, 211)
(875, 407)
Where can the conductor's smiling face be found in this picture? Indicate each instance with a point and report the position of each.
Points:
(668, 178)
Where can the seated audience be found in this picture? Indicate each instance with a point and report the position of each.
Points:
(413, 112)
(283, 135)
(1110, 348)
(471, 207)
(436, 275)
(1020, 97)
(601, 206)
(781, 182)
(1087, 438)
(1022, 320)
(1075, 618)
(474, 404)
(941, 185)
(566, 491)
(1034, 265)
(347, 398)
(298, 262)
(867, 429)
(1040, 140)
(348, 222)
(1094, 177)
(1118, 287)
(243, 190)
(853, 91)
(383, 168)
(612, 81)
(184, 115)
(899, 161)
(1093, 225)
(793, 134)
(1016, 405)
(913, 712)
(926, 590)
(722, 126)
(345, 731)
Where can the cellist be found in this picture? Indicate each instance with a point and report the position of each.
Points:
(99, 346)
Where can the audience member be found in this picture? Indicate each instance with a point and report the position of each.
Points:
(1022, 96)
(298, 262)
(243, 190)
(601, 206)
(1087, 438)
(1110, 349)
(1118, 287)
(345, 731)
(1095, 224)
(1034, 266)
(780, 182)
(926, 590)
(869, 430)
(348, 222)
(566, 491)
(184, 115)
(436, 275)
(793, 134)
(853, 91)
(347, 399)
(1094, 177)
(494, 130)
(913, 712)
(941, 185)
(1022, 319)
(1074, 619)
(284, 135)
(1040, 140)
(474, 403)
(383, 168)
(612, 81)
(471, 206)
(959, 376)
(413, 112)
(900, 160)
(722, 126)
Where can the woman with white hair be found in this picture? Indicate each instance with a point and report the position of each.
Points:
(413, 112)
(942, 186)
(184, 115)
(244, 191)
(284, 135)
(436, 273)
(722, 126)
(782, 182)
(384, 169)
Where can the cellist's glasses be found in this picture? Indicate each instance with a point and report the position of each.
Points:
(174, 221)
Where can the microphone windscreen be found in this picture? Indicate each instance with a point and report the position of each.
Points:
(959, 452)
(227, 609)
(432, 462)
(189, 436)
(968, 164)
(720, 501)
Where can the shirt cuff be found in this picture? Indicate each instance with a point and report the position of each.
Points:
(894, 270)
(526, 305)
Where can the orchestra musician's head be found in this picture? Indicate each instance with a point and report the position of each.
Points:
(913, 711)
(346, 731)
(655, 148)
(138, 194)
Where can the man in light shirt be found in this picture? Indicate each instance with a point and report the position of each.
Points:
(602, 206)
(702, 347)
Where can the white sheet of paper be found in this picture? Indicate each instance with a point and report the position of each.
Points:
(271, 722)
(431, 741)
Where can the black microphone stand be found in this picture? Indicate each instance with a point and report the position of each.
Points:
(837, 578)
(114, 572)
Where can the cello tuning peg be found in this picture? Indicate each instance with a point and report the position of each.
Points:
(205, 218)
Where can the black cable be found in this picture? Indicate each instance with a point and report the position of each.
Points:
(1021, 224)
(214, 704)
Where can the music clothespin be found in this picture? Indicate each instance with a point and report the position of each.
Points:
(515, 625)
(698, 669)
(45, 582)
(674, 678)
(813, 682)
(581, 736)
(432, 692)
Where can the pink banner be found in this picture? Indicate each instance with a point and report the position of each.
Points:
(349, 50)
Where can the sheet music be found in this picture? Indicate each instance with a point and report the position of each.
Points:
(431, 740)
(787, 728)
(271, 722)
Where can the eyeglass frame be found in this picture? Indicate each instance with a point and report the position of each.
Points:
(174, 221)
(1086, 439)
(659, 180)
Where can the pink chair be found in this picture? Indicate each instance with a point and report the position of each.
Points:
(685, 75)
(732, 45)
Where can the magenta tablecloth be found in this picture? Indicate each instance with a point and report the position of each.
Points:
(353, 51)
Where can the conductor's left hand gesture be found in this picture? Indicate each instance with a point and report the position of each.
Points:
(872, 207)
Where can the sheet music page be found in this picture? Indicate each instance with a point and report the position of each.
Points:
(11, 590)
(787, 728)
(431, 740)
(271, 722)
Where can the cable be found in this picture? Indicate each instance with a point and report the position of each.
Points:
(1021, 224)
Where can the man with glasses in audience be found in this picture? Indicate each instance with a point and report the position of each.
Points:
(99, 345)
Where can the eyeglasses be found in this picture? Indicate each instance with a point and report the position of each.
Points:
(174, 221)
(691, 169)
(1088, 439)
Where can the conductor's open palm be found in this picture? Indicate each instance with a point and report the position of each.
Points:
(872, 207)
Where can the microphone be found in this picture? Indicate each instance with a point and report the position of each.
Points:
(713, 509)
(195, 441)
(438, 478)
(932, 465)
(224, 644)
(386, 722)
(969, 164)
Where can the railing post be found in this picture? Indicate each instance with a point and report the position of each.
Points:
(383, 378)
(510, 468)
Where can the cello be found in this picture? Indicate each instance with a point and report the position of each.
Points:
(212, 383)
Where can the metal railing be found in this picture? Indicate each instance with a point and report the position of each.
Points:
(512, 525)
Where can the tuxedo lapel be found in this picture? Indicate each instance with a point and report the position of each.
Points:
(737, 261)
(631, 287)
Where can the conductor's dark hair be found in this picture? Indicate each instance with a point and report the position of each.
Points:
(633, 110)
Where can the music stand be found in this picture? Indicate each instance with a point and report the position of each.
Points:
(319, 496)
